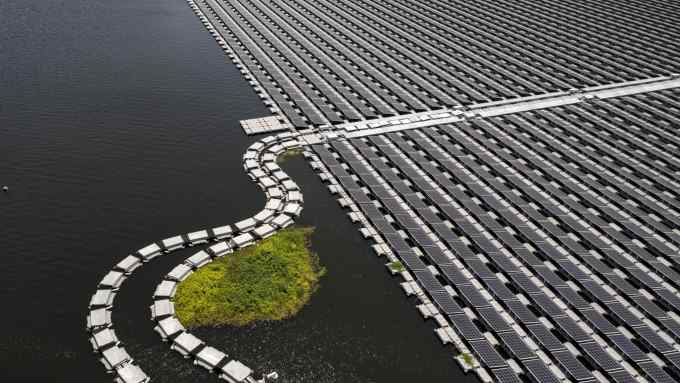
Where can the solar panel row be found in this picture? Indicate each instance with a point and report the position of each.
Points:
(329, 62)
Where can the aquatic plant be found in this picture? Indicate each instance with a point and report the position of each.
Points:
(468, 359)
(290, 153)
(397, 266)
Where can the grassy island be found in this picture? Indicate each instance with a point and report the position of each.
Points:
(290, 153)
(271, 280)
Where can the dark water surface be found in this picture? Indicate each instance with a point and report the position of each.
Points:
(119, 126)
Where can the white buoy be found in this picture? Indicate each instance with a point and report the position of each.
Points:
(5, 188)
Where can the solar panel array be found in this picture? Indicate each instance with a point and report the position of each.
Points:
(558, 231)
(327, 62)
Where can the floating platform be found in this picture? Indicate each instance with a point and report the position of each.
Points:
(235, 372)
(186, 343)
(103, 339)
(169, 327)
(209, 358)
(131, 373)
(264, 125)
(114, 356)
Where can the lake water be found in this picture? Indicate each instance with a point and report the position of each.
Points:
(119, 126)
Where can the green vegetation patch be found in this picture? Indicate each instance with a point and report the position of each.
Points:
(271, 280)
(467, 358)
(290, 153)
(397, 267)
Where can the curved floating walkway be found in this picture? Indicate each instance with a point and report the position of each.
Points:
(284, 204)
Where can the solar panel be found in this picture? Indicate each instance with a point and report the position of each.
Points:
(671, 325)
(572, 366)
(411, 260)
(490, 223)
(601, 357)
(521, 313)
(572, 330)
(489, 356)
(473, 296)
(372, 211)
(407, 221)
(669, 297)
(429, 282)
(627, 347)
(539, 371)
(503, 263)
(481, 269)
(655, 373)
(479, 239)
(446, 302)
(393, 206)
(397, 242)
(549, 276)
(516, 345)
(437, 255)
(546, 304)
(597, 320)
(429, 216)
(402, 188)
(624, 314)
(594, 289)
(493, 319)
(568, 294)
(370, 179)
(465, 327)
(381, 192)
(423, 239)
(382, 225)
(522, 280)
(359, 196)
(453, 274)
(345, 180)
(623, 376)
(444, 232)
(499, 289)
(674, 358)
(545, 337)
(506, 375)
(462, 249)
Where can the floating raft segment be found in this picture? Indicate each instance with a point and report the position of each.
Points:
(162, 308)
(103, 339)
(209, 358)
(169, 327)
(180, 272)
(99, 318)
(112, 280)
(264, 125)
(131, 373)
(114, 356)
(186, 343)
(165, 289)
(198, 260)
(235, 372)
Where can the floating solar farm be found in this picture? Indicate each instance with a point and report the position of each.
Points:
(519, 159)
(548, 248)
(326, 62)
